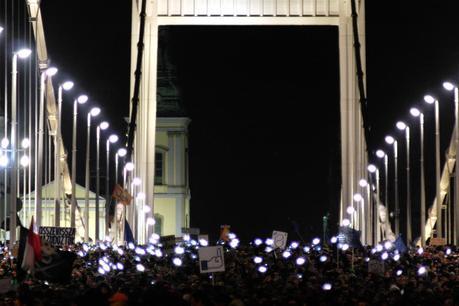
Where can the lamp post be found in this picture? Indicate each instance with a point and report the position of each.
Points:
(366, 212)
(416, 113)
(431, 100)
(82, 99)
(112, 139)
(57, 162)
(128, 167)
(39, 163)
(23, 53)
(102, 126)
(120, 153)
(25, 161)
(450, 86)
(376, 235)
(92, 113)
(402, 126)
(390, 140)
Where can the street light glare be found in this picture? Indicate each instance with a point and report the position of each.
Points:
(401, 125)
(1, 29)
(129, 166)
(389, 139)
(82, 99)
(380, 153)
(5, 143)
(51, 71)
(3, 160)
(25, 143)
(67, 85)
(136, 181)
(113, 138)
(357, 197)
(95, 111)
(363, 182)
(350, 210)
(415, 112)
(372, 169)
(448, 86)
(104, 125)
(429, 99)
(122, 152)
(25, 161)
(24, 53)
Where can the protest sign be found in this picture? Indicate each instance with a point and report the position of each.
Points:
(437, 241)
(211, 259)
(376, 267)
(57, 236)
(279, 239)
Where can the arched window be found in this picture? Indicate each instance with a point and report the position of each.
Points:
(159, 224)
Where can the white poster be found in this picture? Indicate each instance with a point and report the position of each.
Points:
(211, 259)
(279, 240)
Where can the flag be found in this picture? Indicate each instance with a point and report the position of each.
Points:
(128, 237)
(121, 195)
(349, 236)
(400, 245)
(224, 231)
(32, 252)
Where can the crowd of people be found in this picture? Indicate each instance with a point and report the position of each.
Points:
(315, 273)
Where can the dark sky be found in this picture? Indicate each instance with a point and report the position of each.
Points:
(264, 101)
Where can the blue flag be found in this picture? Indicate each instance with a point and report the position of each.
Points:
(349, 236)
(400, 245)
(128, 237)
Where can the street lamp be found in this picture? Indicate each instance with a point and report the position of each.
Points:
(39, 163)
(24, 162)
(102, 126)
(57, 162)
(92, 113)
(417, 113)
(23, 53)
(450, 86)
(391, 141)
(112, 139)
(82, 99)
(120, 153)
(128, 167)
(375, 216)
(402, 126)
(431, 100)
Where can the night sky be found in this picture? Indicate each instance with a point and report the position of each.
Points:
(264, 102)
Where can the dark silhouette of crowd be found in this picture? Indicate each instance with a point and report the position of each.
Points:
(255, 274)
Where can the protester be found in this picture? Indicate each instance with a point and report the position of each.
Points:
(302, 274)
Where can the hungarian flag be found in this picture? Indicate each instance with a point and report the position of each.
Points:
(32, 252)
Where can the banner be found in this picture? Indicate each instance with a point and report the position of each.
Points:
(121, 195)
(57, 236)
(279, 239)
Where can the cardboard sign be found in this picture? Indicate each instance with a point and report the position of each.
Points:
(279, 240)
(191, 230)
(437, 241)
(203, 236)
(376, 267)
(211, 259)
(57, 236)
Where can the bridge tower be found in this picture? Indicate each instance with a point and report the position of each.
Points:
(253, 12)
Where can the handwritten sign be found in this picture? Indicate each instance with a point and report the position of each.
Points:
(57, 235)
(211, 259)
